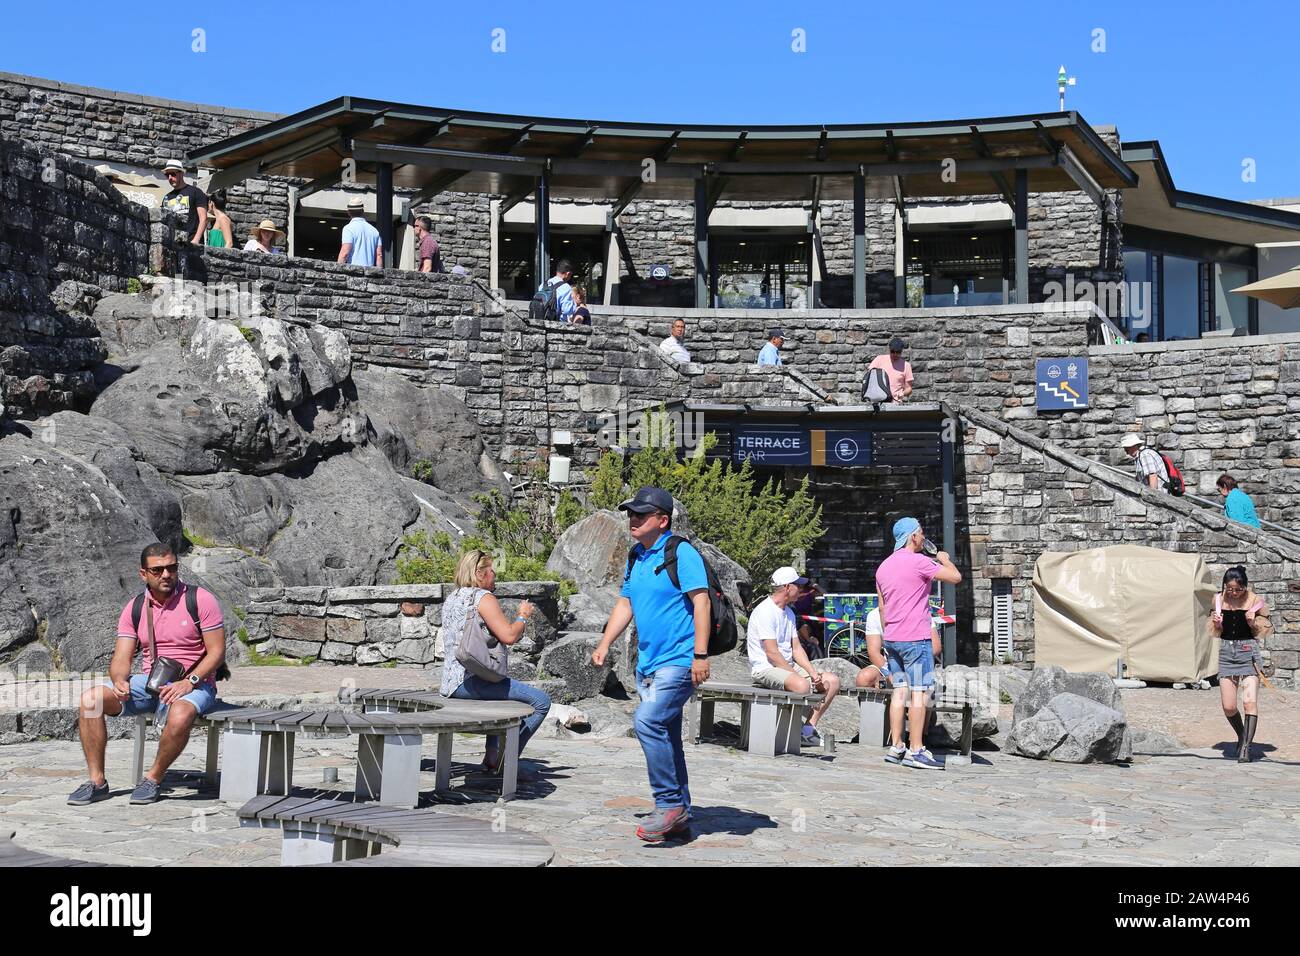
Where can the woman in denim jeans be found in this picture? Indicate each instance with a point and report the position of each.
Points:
(475, 580)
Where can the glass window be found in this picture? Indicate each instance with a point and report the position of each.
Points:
(1139, 300)
(1181, 294)
(1231, 309)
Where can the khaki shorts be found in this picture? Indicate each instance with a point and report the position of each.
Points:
(773, 678)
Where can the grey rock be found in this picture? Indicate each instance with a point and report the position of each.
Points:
(414, 651)
(582, 613)
(13, 737)
(232, 509)
(292, 648)
(1047, 682)
(734, 579)
(64, 513)
(555, 689)
(593, 554)
(1072, 729)
(569, 659)
(421, 423)
(59, 723)
(230, 575)
(521, 669)
(132, 323)
(1146, 741)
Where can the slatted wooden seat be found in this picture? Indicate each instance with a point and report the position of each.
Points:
(144, 721)
(11, 854)
(771, 720)
(318, 831)
(258, 746)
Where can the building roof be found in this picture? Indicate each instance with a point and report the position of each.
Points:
(433, 149)
(1158, 204)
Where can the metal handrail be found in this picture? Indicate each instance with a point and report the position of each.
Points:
(1277, 529)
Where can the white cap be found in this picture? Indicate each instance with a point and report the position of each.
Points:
(175, 164)
(1129, 440)
(787, 575)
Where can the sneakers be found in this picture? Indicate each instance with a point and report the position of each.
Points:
(663, 823)
(146, 791)
(88, 793)
(895, 754)
(810, 736)
(922, 759)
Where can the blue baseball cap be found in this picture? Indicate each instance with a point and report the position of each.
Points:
(904, 528)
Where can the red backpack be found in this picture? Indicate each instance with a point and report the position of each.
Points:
(1175, 485)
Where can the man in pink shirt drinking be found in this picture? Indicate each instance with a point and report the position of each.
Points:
(165, 626)
(903, 582)
(896, 369)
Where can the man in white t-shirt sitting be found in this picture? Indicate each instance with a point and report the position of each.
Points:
(776, 658)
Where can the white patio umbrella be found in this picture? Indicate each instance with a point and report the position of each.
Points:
(1282, 289)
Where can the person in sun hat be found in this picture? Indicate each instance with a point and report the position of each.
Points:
(777, 659)
(361, 243)
(186, 202)
(262, 237)
(903, 583)
(1148, 467)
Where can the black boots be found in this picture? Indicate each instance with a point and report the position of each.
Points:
(1239, 727)
(1243, 752)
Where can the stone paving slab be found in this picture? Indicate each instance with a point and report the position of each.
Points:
(849, 808)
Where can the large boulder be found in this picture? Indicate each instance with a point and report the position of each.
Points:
(69, 553)
(977, 686)
(131, 323)
(349, 513)
(593, 554)
(582, 612)
(1046, 682)
(733, 578)
(1072, 729)
(260, 398)
(109, 447)
(232, 510)
(427, 424)
(569, 660)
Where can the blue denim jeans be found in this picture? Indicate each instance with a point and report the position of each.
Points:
(658, 723)
(476, 688)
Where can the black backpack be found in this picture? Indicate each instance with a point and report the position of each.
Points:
(722, 615)
(545, 305)
(191, 605)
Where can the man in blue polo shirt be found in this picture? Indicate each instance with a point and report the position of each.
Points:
(672, 628)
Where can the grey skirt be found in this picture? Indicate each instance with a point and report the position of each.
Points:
(1237, 658)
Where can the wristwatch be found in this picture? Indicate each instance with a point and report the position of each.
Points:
(194, 680)
(701, 657)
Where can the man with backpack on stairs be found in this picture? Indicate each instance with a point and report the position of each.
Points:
(1152, 468)
(554, 300)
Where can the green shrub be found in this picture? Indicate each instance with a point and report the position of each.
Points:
(422, 470)
(133, 286)
(568, 512)
(250, 335)
(196, 540)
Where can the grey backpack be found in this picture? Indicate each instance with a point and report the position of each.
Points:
(876, 387)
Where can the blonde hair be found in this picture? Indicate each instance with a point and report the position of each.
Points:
(471, 563)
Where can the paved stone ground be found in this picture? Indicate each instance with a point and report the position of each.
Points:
(1195, 808)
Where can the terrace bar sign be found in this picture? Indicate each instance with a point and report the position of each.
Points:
(1061, 384)
(771, 445)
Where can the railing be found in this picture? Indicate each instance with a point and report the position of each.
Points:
(1277, 529)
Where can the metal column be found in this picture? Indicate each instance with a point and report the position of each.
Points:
(859, 239)
(542, 205)
(384, 211)
(947, 445)
(702, 298)
(1021, 213)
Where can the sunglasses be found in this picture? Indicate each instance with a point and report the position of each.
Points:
(160, 569)
(634, 518)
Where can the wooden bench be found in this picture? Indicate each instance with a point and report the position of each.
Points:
(11, 854)
(258, 746)
(142, 724)
(771, 720)
(333, 831)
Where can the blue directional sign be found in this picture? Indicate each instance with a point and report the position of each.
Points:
(1061, 384)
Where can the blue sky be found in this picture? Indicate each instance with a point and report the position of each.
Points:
(1214, 82)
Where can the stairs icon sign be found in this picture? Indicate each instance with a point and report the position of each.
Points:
(1064, 394)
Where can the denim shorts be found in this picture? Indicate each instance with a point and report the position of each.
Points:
(141, 701)
(911, 663)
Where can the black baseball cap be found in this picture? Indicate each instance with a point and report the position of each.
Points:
(896, 344)
(649, 499)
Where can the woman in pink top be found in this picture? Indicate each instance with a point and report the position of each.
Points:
(898, 371)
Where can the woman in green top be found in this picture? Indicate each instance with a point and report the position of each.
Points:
(219, 236)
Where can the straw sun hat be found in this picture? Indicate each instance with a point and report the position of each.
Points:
(268, 225)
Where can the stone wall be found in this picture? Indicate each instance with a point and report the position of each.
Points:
(394, 625)
(108, 126)
(62, 226)
(1025, 496)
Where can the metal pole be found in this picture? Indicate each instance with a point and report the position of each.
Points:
(384, 211)
(859, 239)
(947, 442)
(542, 217)
(1022, 236)
(702, 243)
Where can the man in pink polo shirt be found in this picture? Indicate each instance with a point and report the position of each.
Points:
(903, 582)
(165, 621)
(897, 370)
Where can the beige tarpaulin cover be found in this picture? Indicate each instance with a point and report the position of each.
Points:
(1148, 606)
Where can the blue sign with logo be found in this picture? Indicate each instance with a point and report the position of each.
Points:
(659, 273)
(1061, 384)
(845, 448)
(771, 445)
